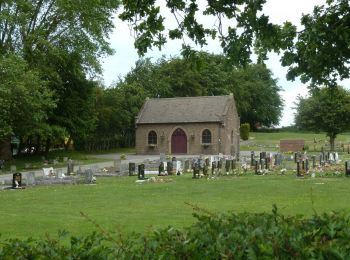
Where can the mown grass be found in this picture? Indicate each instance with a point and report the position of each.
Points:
(121, 204)
(270, 141)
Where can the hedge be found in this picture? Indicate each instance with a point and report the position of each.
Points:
(213, 236)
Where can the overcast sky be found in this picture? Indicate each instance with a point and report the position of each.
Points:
(278, 10)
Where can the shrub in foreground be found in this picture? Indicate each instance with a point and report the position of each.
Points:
(213, 236)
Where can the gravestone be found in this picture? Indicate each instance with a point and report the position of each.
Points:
(196, 170)
(169, 168)
(233, 164)
(89, 176)
(298, 170)
(17, 180)
(306, 164)
(30, 179)
(70, 166)
(207, 162)
(252, 156)
(223, 166)
(347, 168)
(161, 170)
(132, 168)
(162, 157)
(178, 167)
(227, 166)
(60, 174)
(213, 167)
(187, 165)
(256, 167)
(141, 171)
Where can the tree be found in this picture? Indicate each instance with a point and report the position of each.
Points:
(327, 109)
(256, 92)
(24, 99)
(318, 53)
(61, 42)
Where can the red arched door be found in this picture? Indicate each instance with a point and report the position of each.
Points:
(178, 141)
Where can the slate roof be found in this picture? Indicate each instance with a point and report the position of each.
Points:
(184, 110)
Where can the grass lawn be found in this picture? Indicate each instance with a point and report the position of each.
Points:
(121, 204)
(270, 141)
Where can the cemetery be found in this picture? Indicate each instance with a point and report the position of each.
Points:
(153, 192)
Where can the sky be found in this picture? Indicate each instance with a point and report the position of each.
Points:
(125, 56)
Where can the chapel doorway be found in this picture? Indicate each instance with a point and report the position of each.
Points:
(179, 142)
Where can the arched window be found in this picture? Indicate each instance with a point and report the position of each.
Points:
(206, 137)
(152, 137)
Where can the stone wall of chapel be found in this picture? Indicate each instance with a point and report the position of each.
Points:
(164, 132)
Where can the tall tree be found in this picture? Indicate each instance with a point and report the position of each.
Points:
(319, 53)
(327, 109)
(62, 41)
(24, 99)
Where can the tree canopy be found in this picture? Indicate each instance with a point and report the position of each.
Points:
(256, 91)
(319, 53)
(327, 109)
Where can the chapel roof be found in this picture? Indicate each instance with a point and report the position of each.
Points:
(184, 110)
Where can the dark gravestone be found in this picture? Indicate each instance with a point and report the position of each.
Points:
(196, 171)
(347, 168)
(141, 171)
(17, 180)
(228, 165)
(213, 167)
(132, 169)
(313, 161)
(161, 169)
(256, 167)
(298, 170)
(306, 164)
(233, 164)
(276, 159)
(169, 168)
(219, 164)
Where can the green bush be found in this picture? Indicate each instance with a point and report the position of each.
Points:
(244, 131)
(213, 236)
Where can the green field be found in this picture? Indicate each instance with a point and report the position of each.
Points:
(120, 204)
(270, 141)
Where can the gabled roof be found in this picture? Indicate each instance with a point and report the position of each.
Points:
(184, 110)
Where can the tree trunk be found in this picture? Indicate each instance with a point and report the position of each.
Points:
(5, 149)
(332, 141)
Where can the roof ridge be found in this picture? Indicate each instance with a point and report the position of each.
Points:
(160, 98)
